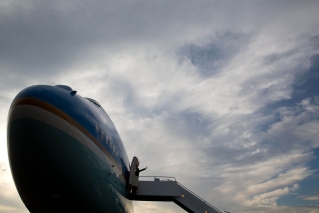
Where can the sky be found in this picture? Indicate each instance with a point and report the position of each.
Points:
(222, 95)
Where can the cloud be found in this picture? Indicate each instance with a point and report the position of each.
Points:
(213, 53)
(310, 197)
(269, 198)
(10, 200)
(297, 130)
(281, 209)
(221, 95)
(156, 207)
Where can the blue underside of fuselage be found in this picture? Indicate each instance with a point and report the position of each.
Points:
(61, 175)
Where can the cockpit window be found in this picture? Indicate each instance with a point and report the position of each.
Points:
(94, 102)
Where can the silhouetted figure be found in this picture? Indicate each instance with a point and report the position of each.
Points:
(137, 173)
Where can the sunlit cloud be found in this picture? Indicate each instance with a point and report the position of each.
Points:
(310, 197)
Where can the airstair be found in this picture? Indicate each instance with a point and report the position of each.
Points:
(162, 188)
(168, 189)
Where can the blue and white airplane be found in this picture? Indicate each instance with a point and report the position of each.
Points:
(65, 153)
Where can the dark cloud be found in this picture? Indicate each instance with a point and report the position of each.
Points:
(48, 37)
(214, 53)
(315, 42)
(44, 40)
(306, 84)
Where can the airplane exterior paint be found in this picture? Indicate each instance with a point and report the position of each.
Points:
(65, 153)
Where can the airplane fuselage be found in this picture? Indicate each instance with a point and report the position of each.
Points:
(65, 153)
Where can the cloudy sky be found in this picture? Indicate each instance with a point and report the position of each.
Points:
(222, 95)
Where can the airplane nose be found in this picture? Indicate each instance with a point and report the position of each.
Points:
(35, 122)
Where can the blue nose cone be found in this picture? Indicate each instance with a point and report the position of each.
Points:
(37, 126)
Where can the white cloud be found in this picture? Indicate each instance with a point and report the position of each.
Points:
(156, 207)
(310, 197)
(10, 200)
(269, 198)
(278, 167)
(287, 178)
(298, 128)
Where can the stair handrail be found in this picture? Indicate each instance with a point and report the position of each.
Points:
(161, 177)
(210, 205)
(199, 197)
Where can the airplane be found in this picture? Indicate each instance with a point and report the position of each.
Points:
(66, 155)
